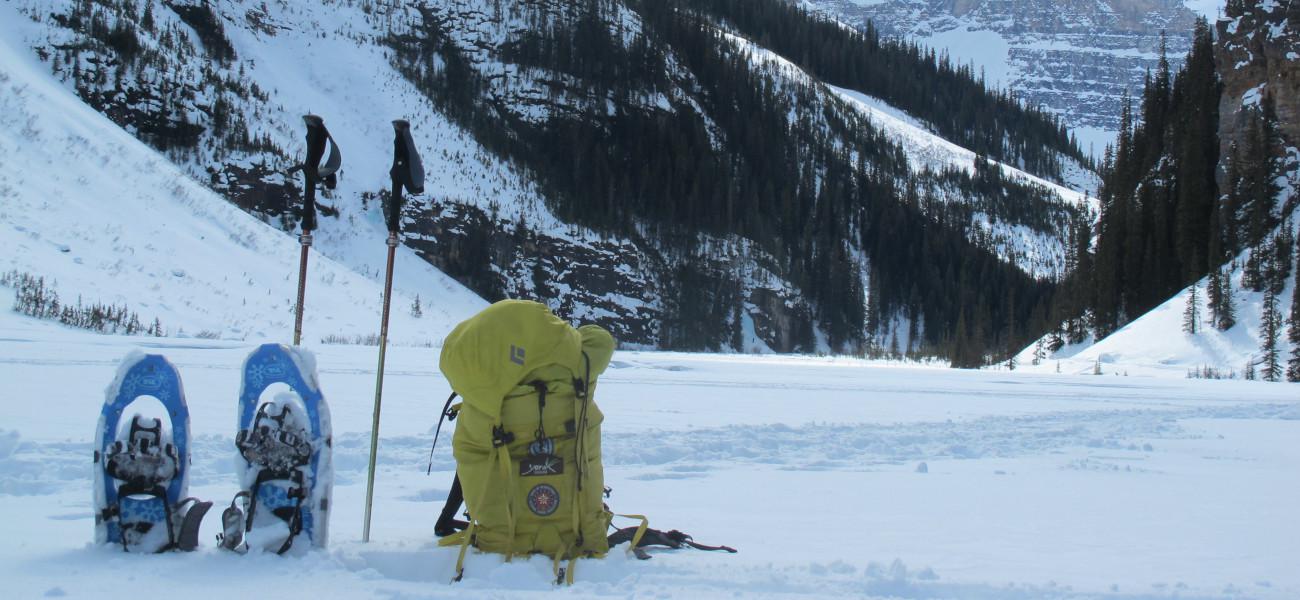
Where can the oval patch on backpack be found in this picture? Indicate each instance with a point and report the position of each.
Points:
(543, 499)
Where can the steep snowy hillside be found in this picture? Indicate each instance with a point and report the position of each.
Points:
(105, 219)
(1158, 343)
(1076, 57)
(692, 188)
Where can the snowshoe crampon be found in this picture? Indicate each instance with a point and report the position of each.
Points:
(142, 470)
(284, 456)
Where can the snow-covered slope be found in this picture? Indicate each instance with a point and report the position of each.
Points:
(1039, 253)
(1157, 343)
(1076, 57)
(106, 219)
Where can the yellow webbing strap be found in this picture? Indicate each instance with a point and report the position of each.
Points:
(580, 450)
(454, 539)
(503, 458)
(640, 530)
(555, 564)
(568, 575)
(467, 536)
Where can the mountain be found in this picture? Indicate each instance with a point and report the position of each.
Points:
(1199, 202)
(1076, 58)
(100, 219)
(705, 175)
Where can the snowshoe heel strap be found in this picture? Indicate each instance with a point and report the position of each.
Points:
(188, 538)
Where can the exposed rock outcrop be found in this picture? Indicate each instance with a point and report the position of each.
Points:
(1258, 54)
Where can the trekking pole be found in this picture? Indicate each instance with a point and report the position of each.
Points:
(407, 172)
(313, 172)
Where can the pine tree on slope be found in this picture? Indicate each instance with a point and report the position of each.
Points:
(1214, 296)
(1293, 365)
(1270, 331)
(1226, 312)
(1192, 314)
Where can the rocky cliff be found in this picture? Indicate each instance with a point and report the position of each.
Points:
(1258, 56)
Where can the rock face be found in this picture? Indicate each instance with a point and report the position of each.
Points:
(1258, 54)
(1076, 57)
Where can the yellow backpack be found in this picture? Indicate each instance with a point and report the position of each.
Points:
(527, 438)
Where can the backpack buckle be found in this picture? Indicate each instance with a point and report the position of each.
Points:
(501, 437)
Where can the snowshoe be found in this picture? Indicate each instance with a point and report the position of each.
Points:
(284, 456)
(142, 473)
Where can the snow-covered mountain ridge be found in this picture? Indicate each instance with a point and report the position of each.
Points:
(1076, 57)
(219, 86)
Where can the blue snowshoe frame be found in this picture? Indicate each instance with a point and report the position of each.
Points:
(152, 375)
(270, 364)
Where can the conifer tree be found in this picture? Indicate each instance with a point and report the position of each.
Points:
(1227, 312)
(1230, 212)
(1260, 170)
(1293, 334)
(1214, 295)
(1192, 314)
(1280, 262)
(1270, 332)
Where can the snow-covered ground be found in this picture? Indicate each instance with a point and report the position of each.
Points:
(1036, 485)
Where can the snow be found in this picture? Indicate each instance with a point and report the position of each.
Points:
(105, 218)
(1034, 486)
(1093, 140)
(987, 50)
(927, 150)
(1210, 9)
(1254, 96)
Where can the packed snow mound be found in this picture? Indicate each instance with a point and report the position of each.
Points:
(103, 218)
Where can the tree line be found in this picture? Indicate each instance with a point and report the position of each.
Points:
(1169, 218)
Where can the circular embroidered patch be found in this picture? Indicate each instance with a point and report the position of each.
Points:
(543, 500)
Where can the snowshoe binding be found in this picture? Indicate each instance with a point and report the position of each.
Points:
(284, 456)
(142, 473)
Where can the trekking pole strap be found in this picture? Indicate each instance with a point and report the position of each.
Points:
(446, 415)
